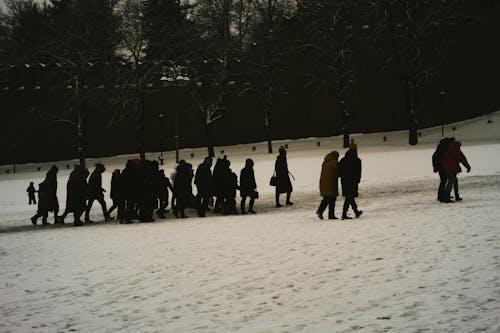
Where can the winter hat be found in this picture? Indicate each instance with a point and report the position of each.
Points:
(335, 155)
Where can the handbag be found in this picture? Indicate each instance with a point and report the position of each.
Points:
(254, 195)
(273, 181)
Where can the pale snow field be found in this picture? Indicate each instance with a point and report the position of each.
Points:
(409, 264)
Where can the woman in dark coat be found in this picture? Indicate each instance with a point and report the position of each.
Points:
(117, 194)
(248, 186)
(96, 192)
(350, 176)
(283, 183)
(437, 165)
(47, 197)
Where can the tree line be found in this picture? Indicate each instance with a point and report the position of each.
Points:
(107, 54)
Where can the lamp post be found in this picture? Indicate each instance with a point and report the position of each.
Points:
(175, 76)
(160, 119)
(442, 94)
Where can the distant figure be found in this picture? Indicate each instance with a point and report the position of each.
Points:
(204, 186)
(437, 165)
(76, 195)
(452, 157)
(47, 197)
(31, 194)
(350, 176)
(96, 192)
(329, 185)
(117, 195)
(248, 187)
(283, 183)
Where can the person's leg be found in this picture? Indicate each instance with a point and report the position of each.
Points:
(455, 187)
(87, 210)
(250, 206)
(449, 183)
(102, 202)
(442, 185)
(322, 207)
(242, 205)
(113, 206)
(331, 208)
(288, 202)
(277, 197)
(44, 218)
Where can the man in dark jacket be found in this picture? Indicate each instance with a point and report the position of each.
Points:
(437, 165)
(451, 160)
(248, 186)
(31, 194)
(130, 183)
(96, 192)
(350, 176)
(203, 182)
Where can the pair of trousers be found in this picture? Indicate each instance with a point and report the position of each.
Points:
(330, 202)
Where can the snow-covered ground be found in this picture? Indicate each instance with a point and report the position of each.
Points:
(409, 264)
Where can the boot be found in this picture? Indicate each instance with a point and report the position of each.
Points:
(358, 213)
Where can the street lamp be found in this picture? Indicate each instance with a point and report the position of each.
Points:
(442, 94)
(175, 76)
(160, 118)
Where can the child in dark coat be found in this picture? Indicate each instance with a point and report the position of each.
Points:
(31, 194)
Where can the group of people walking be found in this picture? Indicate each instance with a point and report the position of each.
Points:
(348, 169)
(142, 189)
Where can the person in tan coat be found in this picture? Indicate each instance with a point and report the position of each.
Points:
(329, 185)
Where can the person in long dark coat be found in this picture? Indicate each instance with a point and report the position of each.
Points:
(182, 188)
(230, 185)
(203, 182)
(283, 183)
(248, 187)
(437, 165)
(350, 176)
(76, 197)
(96, 192)
(130, 179)
(47, 197)
(329, 185)
(220, 170)
(117, 194)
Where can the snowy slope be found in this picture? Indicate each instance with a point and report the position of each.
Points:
(409, 264)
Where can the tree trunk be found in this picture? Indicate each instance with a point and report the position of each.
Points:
(210, 147)
(140, 127)
(412, 114)
(82, 121)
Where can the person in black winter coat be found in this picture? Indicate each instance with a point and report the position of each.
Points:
(220, 169)
(117, 195)
(203, 182)
(76, 195)
(148, 200)
(230, 186)
(47, 197)
(283, 183)
(31, 194)
(130, 182)
(350, 176)
(96, 192)
(182, 188)
(248, 187)
(437, 166)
